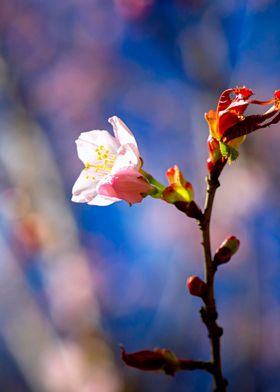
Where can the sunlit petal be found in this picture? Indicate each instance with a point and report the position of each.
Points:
(84, 188)
(89, 142)
(122, 132)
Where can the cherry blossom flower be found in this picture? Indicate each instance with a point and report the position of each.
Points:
(112, 167)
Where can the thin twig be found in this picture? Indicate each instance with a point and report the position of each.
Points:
(209, 311)
(189, 364)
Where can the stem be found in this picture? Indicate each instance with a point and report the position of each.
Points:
(209, 311)
(187, 364)
(152, 180)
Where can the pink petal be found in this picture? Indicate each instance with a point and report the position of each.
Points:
(127, 184)
(122, 132)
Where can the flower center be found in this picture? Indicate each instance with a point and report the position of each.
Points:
(105, 159)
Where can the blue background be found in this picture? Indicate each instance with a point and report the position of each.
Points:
(65, 67)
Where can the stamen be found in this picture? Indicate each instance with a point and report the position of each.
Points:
(106, 163)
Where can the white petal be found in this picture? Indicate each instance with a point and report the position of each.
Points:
(127, 157)
(84, 189)
(89, 141)
(122, 132)
(100, 200)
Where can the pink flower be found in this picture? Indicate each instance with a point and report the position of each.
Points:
(112, 167)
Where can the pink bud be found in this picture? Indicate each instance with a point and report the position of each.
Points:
(226, 250)
(126, 184)
(196, 286)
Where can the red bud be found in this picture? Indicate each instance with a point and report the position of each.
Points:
(163, 359)
(226, 250)
(215, 162)
(157, 359)
(196, 286)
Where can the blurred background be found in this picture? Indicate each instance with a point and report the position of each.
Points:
(76, 280)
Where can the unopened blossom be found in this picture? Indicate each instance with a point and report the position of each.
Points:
(112, 167)
(226, 250)
(179, 189)
(196, 286)
(153, 360)
(162, 359)
(215, 162)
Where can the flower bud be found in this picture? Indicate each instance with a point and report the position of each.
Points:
(164, 360)
(179, 188)
(226, 250)
(214, 149)
(196, 286)
(152, 360)
(215, 162)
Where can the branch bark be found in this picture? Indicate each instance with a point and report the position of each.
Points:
(209, 310)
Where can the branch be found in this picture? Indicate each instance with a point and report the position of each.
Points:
(209, 311)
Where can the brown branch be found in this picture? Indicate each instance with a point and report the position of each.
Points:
(189, 364)
(209, 311)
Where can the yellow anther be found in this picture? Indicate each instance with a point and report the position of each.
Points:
(97, 149)
(93, 178)
(101, 147)
(87, 166)
(107, 151)
(87, 177)
(105, 156)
